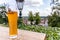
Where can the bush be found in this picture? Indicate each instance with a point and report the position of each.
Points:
(51, 32)
(1, 20)
(54, 20)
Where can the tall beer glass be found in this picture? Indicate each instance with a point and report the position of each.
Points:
(12, 19)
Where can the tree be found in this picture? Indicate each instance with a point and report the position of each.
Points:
(37, 18)
(3, 14)
(1, 20)
(31, 17)
(54, 20)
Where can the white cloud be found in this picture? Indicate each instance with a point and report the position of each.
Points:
(29, 6)
(33, 2)
(2, 1)
(46, 11)
(37, 2)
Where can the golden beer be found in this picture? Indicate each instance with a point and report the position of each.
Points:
(12, 19)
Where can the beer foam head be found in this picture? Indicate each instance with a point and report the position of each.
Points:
(11, 4)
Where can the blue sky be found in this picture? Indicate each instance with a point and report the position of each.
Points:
(42, 6)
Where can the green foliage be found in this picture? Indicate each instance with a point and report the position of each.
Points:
(20, 22)
(37, 18)
(31, 17)
(54, 20)
(1, 20)
(0, 16)
(5, 20)
(3, 17)
(3, 7)
(53, 33)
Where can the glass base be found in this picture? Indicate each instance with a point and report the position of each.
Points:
(13, 36)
